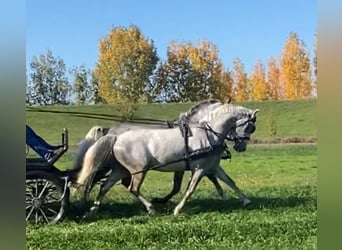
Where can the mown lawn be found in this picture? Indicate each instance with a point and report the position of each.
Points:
(281, 180)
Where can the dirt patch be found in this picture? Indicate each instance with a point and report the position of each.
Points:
(283, 140)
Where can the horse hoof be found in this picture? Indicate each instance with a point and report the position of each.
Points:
(151, 211)
(246, 203)
(176, 211)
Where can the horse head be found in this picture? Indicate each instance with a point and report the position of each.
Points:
(242, 131)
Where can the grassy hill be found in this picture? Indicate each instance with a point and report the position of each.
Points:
(292, 118)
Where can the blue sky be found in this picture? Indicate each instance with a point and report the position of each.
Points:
(250, 30)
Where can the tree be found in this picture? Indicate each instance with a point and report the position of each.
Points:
(126, 62)
(273, 80)
(315, 67)
(173, 77)
(241, 87)
(94, 96)
(81, 86)
(48, 83)
(296, 69)
(191, 73)
(227, 85)
(260, 88)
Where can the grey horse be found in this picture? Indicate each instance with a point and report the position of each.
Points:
(134, 152)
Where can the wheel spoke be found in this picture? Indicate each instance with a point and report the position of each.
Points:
(52, 211)
(43, 189)
(37, 217)
(44, 215)
(29, 214)
(36, 181)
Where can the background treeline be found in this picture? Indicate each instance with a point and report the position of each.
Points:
(128, 70)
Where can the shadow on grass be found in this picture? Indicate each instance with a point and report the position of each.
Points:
(195, 206)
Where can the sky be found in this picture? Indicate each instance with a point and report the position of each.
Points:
(250, 30)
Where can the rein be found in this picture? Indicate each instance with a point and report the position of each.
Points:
(223, 137)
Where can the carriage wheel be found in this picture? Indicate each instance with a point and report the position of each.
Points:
(45, 198)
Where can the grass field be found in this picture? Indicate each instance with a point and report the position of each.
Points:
(280, 179)
(292, 119)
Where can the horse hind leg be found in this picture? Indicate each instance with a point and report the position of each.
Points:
(221, 174)
(218, 187)
(195, 178)
(134, 188)
(177, 181)
(113, 178)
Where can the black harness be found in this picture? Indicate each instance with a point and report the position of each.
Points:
(186, 133)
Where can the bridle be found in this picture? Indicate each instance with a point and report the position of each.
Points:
(235, 138)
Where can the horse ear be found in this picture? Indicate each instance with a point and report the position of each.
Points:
(255, 112)
(228, 100)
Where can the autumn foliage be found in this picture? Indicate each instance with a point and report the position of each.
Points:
(129, 71)
(190, 73)
(295, 69)
(260, 90)
(126, 61)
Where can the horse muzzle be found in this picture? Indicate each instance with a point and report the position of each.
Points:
(240, 145)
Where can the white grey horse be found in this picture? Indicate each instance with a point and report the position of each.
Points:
(95, 133)
(194, 115)
(134, 152)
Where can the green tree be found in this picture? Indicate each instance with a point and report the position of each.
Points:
(126, 62)
(295, 69)
(81, 86)
(191, 73)
(48, 83)
(94, 96)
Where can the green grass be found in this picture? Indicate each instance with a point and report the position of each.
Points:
(293, 119)
(281, 180)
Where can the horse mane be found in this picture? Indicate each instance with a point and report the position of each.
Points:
(196, 108)
(228, 108)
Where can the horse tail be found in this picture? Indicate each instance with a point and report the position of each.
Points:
(96, 157)
(84, 145)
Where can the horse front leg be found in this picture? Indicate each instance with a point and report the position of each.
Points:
(195, 178)
(177, 181)
(221, 174)
(134, 188)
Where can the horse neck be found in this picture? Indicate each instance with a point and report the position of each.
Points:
(202, 113)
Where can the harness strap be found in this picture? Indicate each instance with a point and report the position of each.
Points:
(186, 133)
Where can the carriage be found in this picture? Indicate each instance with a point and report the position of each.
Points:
(47, 187)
